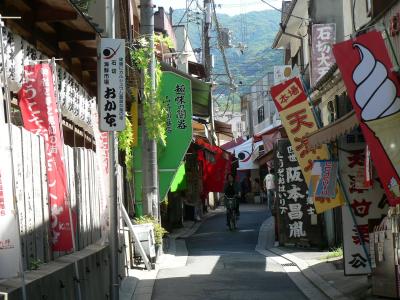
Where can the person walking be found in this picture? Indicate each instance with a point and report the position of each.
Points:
(269, 185)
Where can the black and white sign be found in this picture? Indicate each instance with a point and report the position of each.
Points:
(111, 82)
(295, 211)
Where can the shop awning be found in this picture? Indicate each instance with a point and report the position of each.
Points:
(201, 92)
(329, 133)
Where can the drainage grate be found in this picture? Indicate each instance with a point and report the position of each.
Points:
(289, 265)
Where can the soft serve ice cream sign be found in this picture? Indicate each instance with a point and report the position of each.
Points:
(374, 91)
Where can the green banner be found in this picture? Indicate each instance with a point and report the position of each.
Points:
(176, 92)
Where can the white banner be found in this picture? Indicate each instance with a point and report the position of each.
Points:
(246, 153)
(102, 171)
(111, 81)
(9, 235)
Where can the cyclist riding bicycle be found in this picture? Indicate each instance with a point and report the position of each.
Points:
(231, 191)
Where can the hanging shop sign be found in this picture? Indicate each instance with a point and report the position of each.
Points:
(299, 121)
(177, 94)
(364, 204)
(296, 211)
(9, 233)
(374, 92)
(40, 115)
(111, 83)
(323, 37)
(323, 179)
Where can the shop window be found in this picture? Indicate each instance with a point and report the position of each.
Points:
(260, 114)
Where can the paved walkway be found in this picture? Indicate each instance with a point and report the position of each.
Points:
(207, 261)
(224, 265)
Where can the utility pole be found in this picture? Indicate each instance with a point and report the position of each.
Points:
(150, 193)
(207, 59)
(113, 235)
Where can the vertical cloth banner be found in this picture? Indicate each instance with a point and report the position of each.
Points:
(323, 37)
(323, 179)
(102, 172)
(295, 209)
(374, 92)
(299, 121)
(9, 235)
(40, 115)
(364, 203)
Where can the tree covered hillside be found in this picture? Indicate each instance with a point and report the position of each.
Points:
(255, 29)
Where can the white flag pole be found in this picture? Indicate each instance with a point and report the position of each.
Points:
(8, 111)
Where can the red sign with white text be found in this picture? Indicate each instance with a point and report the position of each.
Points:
(374, 92)
(40, 115)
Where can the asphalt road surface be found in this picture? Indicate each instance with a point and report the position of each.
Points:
(224, 265)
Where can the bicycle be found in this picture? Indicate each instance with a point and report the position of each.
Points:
(231, 212)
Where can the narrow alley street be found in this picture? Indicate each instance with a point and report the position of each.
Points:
(224, 265)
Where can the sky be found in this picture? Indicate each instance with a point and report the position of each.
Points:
(230, 7)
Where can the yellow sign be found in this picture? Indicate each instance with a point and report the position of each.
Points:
(134, 116)
(299, 121)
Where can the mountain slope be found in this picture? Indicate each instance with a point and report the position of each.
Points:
(256, 30)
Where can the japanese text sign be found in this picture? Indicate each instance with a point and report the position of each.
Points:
(323, 37)
(9, 234)
(323, 179)
(176, 92)
(374, 92)
(299, 121)
(364, 204)
(40, 115)
(111, 84)
(294, 207)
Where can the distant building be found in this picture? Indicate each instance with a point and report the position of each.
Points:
(257, 108)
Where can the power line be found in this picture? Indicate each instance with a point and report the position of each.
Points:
(184, 13)
(221, 46)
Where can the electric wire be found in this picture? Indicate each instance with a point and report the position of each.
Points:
(221, 46)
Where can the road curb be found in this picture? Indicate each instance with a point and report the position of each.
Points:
(325, 287)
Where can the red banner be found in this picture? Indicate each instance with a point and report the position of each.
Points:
(40, 115)
(374, 92)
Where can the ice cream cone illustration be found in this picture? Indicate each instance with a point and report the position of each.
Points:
(376, 95)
